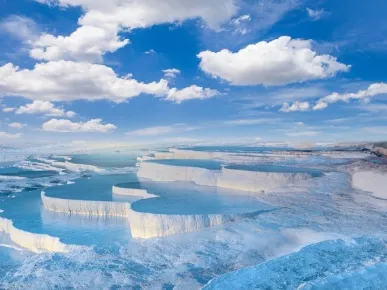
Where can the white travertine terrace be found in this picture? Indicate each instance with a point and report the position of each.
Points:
(34, 242)
(161, 172)
(85, 207)
(253, 181)
(247, 158)
(143, 225)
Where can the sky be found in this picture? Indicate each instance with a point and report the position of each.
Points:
(131, 71)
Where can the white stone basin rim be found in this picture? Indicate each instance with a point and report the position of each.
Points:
(143, 225)
(85, 207)
(37, 243)
(243, 180)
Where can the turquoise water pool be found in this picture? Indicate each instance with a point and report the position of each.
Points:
(187, 198)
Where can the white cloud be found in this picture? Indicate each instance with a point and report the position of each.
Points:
(67, 81)
(190, 93)
(16, 125)
(87, 43)
(162, 130)
(302, 134)
(151, 51)
(171, 72)
(296, 106)
(20, 27)
(44, 107)
(93, 125)
(320, 106)
(316, 14)
(9, 136)
(278, 62)
(362, 95)
(8, 109)
(103, 20)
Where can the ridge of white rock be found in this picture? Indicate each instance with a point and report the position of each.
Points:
(252, 181)
(37, 243)
(85, 207)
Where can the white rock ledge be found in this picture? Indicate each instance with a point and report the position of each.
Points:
(37, 243)
(243, 180)
(85, 207)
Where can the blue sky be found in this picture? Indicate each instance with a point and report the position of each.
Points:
(136, 71)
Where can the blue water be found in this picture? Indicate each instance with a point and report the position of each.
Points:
(188, 198)
(97, 187)
(206, 164)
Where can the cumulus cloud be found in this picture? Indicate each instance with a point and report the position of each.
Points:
(162, 130)
(6, 135)
(44, 107)
(16, 125)
(190, 93)
(171, 72)
(20, 27)
(62, 125)
(103, 20)
(68, 80)
(296, 106)
(278, 62)
(87, 43)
